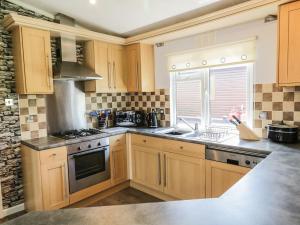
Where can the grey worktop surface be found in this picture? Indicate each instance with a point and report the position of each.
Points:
(268, 195)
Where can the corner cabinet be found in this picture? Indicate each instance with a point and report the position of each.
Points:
(289, 44)
(140, 68)
(32, 58)
(46, 185)
(221, 176)
(118, 159)
(108, 60)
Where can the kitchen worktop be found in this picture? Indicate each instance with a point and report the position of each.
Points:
(268, 194)
(262, 146)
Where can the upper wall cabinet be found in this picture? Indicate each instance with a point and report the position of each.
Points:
(108, 61)
(289, 44)
(140, 68)
(32, 58)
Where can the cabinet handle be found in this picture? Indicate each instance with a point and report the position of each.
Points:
(144, 141)
(53, 155)
(65, 175)
(137, 76)
(48, 68)
(165, 171)
(159, 169)
(181, 147)
(108, 78)
(114, 73)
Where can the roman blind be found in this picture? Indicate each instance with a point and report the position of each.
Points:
(230, 53)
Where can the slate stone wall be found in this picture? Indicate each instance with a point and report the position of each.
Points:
(10, 160)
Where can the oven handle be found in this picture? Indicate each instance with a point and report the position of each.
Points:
(87, 152)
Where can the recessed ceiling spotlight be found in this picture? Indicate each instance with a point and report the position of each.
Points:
(93, 2)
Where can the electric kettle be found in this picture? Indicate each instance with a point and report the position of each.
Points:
(152, 119)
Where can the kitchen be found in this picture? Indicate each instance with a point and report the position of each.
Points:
(75, 105)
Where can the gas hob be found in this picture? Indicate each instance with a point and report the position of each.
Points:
(74, 134)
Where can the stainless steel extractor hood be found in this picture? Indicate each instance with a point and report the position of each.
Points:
(67, 67)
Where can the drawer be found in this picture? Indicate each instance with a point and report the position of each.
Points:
(146, 141)
(184, 148)
(53, 155)
(117, 140)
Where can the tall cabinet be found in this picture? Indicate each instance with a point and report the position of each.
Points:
(32, 57)
(289, 44)
(108, 60)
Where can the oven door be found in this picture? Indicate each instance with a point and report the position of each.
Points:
(88, 168)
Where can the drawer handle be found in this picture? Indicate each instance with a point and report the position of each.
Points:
(53, 155)
(181, 147)
(144, 141)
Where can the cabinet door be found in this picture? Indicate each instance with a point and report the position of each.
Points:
(289, 44)
(133, 68)
(221, 176)
(96, 57)
(118, 158)
(184, 177)
(118, 164)
(37, 61)
(147, 74)
(55, 186)
(146, 168)
(119, 81)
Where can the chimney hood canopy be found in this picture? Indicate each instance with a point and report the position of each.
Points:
(65, 70)
(67, 67)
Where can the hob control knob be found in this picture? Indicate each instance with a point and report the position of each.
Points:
(79, 148)
(89, 146)
(99, 144)
(247, 162)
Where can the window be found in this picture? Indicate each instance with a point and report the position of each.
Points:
(211, 95)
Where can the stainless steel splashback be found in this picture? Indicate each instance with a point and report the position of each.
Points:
(66, 107)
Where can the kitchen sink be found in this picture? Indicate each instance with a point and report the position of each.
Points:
(176, 133)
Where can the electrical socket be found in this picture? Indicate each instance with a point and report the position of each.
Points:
(9, 102)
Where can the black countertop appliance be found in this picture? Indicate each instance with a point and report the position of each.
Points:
(152, 121)
(282, 133)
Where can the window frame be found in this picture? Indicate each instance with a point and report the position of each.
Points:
(206, 90)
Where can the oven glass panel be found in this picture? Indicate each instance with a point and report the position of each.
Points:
(89, 164)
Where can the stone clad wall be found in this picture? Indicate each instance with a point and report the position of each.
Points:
(10, 160)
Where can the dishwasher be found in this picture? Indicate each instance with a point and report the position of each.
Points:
(234, 156)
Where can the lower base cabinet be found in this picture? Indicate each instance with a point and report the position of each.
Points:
(173, 174)
(118, 159)
(45, 176)
(221, 176)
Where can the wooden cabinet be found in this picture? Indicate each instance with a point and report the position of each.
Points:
(108, 60)
(146, 168)
(46, 185)
(184, 177)
(289, 44)
(171, 167)
(140, 68)
(33, 64)
(118, 159)
(221, 176)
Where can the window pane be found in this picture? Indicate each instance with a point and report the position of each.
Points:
(189, 96)
(228, 93)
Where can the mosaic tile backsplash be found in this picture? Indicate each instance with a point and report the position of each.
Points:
(278, 103)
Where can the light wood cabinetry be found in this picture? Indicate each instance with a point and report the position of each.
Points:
(140, 68)
(33, 64)
(118, 159)
(46, 184)
(221, 176)
(108, 60)
(164, 165)
(184, 177)
(289, 44)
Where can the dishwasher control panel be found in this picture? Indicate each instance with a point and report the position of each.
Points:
(233, 157)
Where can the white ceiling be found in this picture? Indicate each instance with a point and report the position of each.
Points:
(130, 17)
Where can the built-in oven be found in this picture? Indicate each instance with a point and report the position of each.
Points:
(88, 164)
